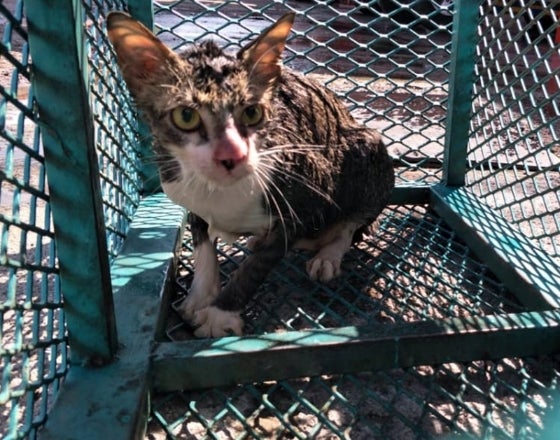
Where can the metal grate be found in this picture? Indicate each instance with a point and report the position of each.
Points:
(391, 61)
(33, 353)
(414, 269)
(514, 153)
(507, 399)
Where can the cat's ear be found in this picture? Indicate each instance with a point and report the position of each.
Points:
(140, 55)
(263, 57)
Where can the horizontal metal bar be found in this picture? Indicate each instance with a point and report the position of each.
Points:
(232, 360)
(410, 195)
(531, 274)
(486, 165)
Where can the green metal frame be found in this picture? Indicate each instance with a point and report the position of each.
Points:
(112, 401)
(111, 377)
(70, 156)
(232, 360)
(460, 90)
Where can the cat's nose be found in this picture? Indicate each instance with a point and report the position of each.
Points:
(232, 160)
(230, 149)
(230, 164)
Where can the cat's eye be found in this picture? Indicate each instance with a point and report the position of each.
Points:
(186, 118)
(252, 115)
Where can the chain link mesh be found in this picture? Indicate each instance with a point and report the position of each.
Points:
(33, 357)
(384, 280)
(415, 269)
(507, 399)
(33, 353)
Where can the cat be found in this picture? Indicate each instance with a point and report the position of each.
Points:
(251, 147)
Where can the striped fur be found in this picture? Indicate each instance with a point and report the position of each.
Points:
(308, 175)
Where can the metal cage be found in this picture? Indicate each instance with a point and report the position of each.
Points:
(443, 325)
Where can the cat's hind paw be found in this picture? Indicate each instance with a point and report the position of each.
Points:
(334, 242)
(213, 322)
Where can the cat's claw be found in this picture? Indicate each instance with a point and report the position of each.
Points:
(213, 322)
(323, 269)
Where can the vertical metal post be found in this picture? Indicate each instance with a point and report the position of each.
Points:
(143, 11)
(61, 90)
(463, 49)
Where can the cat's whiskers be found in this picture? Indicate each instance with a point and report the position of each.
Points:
(261, 181)
(280, 127)
(270, 181)
(163, 168)
(292, 175)
(265, 180)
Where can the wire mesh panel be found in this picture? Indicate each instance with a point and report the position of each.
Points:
(434, 276)
(33, 324)
(514, 154)
(391, 62)
(116, 127)
(33, 353)
(507, 399)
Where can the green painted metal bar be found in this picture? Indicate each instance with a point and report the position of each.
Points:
(463, 47)
(531, 274)
(111, 402)
(232, 360)
(61, 93)
(143, 11)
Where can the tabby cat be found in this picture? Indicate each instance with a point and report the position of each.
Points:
(250, 147)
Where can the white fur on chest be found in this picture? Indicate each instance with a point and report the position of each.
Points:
(229, 211)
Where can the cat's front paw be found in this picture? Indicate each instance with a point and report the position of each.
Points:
(213, 322)
(196, 300)
(323, 269)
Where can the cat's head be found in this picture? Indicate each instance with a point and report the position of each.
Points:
(205, 107)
